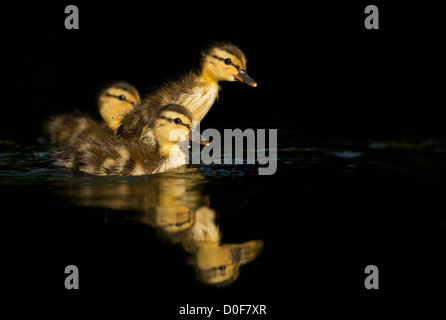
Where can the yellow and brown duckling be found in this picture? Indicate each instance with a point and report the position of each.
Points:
(114, 101)
(102, 153)
(196, 91)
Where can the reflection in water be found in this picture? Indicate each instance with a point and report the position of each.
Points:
(218, 264)
(175, 207)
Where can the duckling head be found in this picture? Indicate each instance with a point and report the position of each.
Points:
(115, 100)
(172, 125)
(224, 61)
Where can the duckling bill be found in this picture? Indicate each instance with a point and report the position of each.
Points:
(242, 76)
(106, 154)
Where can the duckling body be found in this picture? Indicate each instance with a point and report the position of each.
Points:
(191, 91)
(196, 91)
(114, 100)
(103, 153)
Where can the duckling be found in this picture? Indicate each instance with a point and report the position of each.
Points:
(114, 100)
(105, 154)
(196, 91)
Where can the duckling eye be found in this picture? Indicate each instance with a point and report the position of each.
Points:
(121, 97)
(227, 61)
(177, 121)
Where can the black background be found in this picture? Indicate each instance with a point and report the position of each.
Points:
(319, 72)
(318, 69)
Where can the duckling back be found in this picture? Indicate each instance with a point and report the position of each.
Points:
(67, 128)
(106, 154)
(188, 91)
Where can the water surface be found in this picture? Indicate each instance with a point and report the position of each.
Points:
(224, 232)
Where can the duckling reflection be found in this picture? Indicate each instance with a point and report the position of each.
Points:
(173, 204)
(219, 264)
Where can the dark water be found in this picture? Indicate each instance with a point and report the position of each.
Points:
(214, 235)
